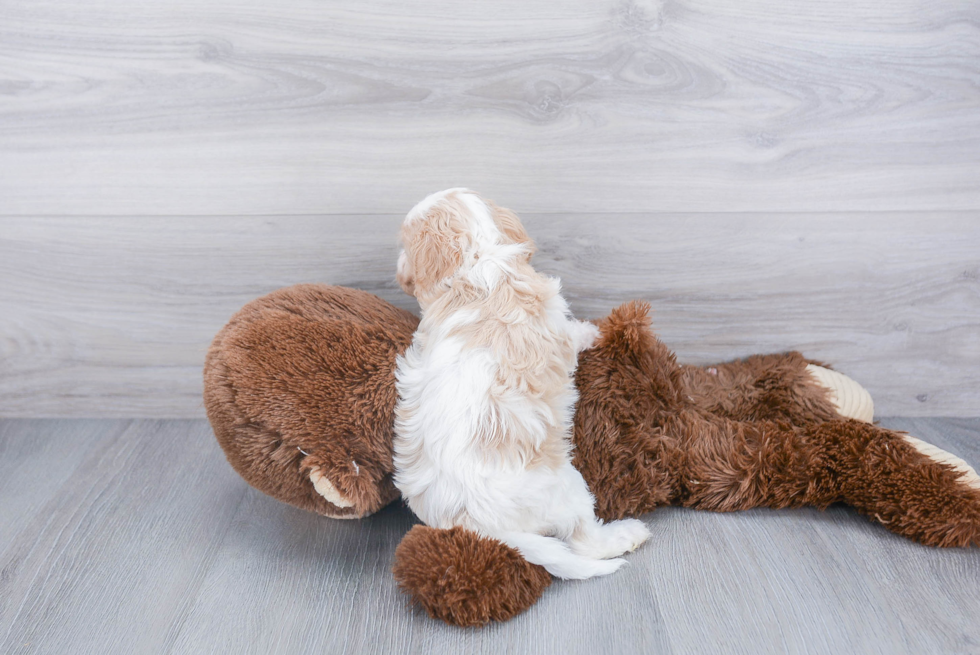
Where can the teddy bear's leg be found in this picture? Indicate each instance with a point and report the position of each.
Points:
(913, 488)
(730, 465)
(465, 579)
(782, 387)
(910, 487)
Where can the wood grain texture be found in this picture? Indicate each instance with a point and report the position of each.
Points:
(181, 107)
(112, 316)
(35, 460)
(142, 514)
(153, 544)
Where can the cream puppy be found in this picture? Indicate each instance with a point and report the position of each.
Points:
(486, 396)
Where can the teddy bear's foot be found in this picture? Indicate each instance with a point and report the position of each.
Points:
(968, 474)
(909, 486)
(324, 487)
(850, 399)
(932, 496)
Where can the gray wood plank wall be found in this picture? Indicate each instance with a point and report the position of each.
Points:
(771, 175)
(112, 316)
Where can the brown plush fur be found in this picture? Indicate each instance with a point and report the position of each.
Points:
(311, 367)
(646, 435)
(466, 580)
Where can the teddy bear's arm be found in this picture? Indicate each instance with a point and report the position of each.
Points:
(785, 387)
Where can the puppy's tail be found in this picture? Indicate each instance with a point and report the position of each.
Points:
(556, 557)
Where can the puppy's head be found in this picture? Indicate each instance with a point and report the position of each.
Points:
(455, 232)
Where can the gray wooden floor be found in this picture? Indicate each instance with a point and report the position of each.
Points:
(121, 536)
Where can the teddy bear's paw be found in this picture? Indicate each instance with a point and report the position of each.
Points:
(324, 487)
(968, 474)
(850, 399)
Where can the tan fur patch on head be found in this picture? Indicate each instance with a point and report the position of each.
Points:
(434, 246)
(510, 227)
(437, 239)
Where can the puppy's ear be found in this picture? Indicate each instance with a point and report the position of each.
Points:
(404, 274)
(433, 249)
(511, 228)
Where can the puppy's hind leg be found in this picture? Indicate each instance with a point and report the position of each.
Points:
(556, 557)
(603, 540)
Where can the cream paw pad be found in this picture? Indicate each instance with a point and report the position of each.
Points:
(850, 398)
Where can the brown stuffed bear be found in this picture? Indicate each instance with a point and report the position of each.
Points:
(299, 388)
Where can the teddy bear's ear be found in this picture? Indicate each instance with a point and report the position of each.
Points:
(628, 328)
(465, 579)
